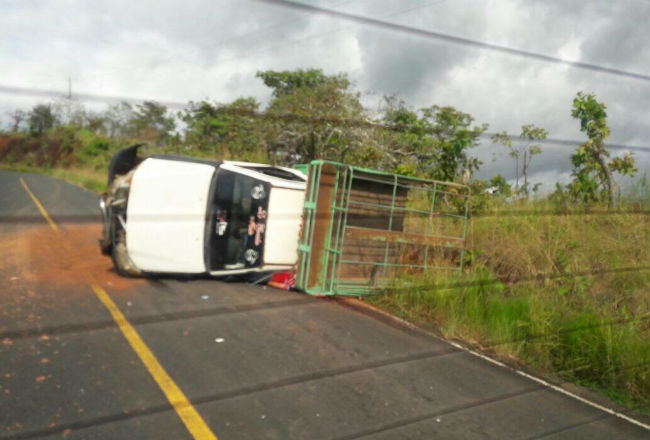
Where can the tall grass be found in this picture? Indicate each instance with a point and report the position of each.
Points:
(557, 292)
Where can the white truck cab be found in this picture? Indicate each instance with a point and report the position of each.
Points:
(177, 215)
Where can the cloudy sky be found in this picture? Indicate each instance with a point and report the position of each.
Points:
(191, 50)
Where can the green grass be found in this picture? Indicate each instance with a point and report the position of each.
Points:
(88, 178)
(592, 329)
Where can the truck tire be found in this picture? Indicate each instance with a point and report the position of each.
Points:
(105, 246)
(121, 260)
(105, 243)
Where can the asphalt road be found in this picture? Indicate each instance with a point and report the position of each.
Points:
(255, 363)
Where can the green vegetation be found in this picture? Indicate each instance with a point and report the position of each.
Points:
(593, 179)
(525, 152)
(546, 282)
(74, 154)
(556, 291)
(311, 115)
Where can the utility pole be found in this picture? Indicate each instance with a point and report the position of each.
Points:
(69, 88)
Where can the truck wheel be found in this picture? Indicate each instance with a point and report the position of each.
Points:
(105, 246)
(121, 260)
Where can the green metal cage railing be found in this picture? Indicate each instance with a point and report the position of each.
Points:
(361, 228)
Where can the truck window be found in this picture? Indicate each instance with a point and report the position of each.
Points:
(276, 172)
(236, 223)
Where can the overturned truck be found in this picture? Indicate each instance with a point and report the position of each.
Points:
(184, 216)
(344, 230)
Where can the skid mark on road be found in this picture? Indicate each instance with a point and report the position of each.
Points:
(187, 413)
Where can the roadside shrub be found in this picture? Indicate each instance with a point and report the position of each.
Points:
(557, 291)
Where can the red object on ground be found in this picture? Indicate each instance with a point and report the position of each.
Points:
(283, 280)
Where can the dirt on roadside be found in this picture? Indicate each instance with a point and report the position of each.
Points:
(38, 254)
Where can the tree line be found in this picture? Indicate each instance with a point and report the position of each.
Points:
(313, 115)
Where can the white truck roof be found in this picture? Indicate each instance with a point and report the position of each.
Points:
(166, 215)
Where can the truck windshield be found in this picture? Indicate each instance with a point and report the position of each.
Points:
(237, 222)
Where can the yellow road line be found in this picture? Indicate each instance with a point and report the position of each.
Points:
(192, 419)
(188, 414)
(39, 206)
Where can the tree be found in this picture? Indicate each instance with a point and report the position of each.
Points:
(96, 122)
(504, 139)
(410, 150)
(307, 116)
(117, 119)
(287, 82)
(18, 117)
(453, 135)
(41, 119)
(69, 112)
(500, 186)
(233, 130)
(150, 121)
(434, 143)
(591, 169)
(524, 151)
(529, 134)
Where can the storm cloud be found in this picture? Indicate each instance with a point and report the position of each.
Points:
(172, 52)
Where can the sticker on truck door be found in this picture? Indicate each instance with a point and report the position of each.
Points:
(251, 256)
(222, 222)
(258, 192)
(254, 239)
